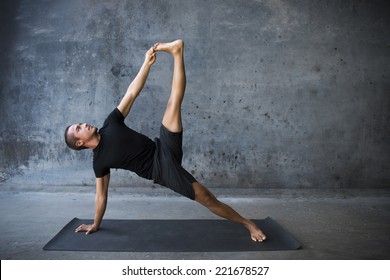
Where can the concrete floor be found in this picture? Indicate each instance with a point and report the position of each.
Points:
(348, 224)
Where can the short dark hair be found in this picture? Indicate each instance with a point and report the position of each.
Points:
(71, 140)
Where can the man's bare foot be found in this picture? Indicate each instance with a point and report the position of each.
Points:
(171, 47)
(256, 233)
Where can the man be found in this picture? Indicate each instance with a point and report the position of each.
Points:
(117, 146)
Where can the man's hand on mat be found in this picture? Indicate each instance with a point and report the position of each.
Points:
(87, 228)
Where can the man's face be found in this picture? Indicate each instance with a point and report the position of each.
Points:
(84, 132)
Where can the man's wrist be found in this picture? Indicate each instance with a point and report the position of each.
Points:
(146, 65)
(95, 225)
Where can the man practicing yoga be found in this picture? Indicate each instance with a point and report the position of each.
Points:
(117, 146)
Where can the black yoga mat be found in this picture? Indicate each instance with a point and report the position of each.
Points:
(171, 236)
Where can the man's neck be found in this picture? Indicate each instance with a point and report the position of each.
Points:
(94, 142)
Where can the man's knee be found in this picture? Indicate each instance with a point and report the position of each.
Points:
(174, 104)
(204, 196)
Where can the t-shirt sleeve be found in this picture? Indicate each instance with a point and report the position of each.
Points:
(118, 115)
(100, 171)
(114, 117)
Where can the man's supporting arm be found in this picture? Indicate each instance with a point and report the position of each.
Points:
(137, 84)
(100, 205)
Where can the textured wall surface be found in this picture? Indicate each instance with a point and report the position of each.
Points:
(282, 94)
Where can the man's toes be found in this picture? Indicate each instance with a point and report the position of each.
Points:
(256, 238)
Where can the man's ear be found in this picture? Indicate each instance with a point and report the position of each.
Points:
(79, 143)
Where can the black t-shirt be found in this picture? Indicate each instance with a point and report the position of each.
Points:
(121, 147)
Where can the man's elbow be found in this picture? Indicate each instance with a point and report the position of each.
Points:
(102, 197)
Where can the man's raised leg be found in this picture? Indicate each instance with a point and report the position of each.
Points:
(172, 115)
(172, 121)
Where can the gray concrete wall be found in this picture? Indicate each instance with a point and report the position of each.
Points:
(282, 94)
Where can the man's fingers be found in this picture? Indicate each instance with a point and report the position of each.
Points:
(80, 228)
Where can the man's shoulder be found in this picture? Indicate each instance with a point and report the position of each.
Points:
(114, 116)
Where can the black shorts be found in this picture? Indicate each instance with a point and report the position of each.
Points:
(167, 169)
